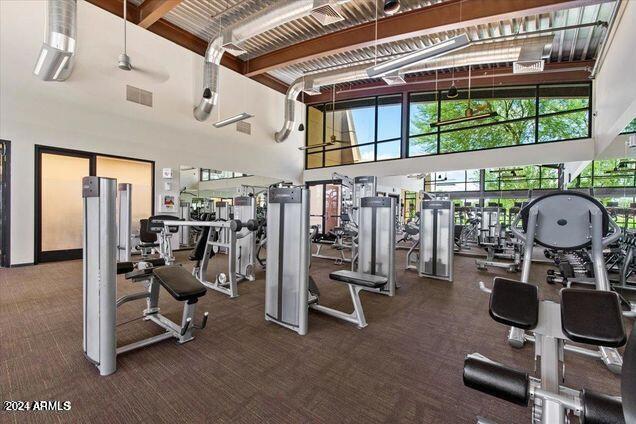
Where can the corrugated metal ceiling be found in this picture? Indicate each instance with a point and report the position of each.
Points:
(205, 18)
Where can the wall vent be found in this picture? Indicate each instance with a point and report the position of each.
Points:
(137, 95)
(244, 127)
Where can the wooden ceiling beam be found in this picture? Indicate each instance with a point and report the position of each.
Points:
(151, 11)
(183, 38)
(447, 16)
(556, 72)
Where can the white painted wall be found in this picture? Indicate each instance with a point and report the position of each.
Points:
(512, 156)
(615, 84)
(395, 184)
(89, 112)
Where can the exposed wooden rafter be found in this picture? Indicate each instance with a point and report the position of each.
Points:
(151, 11)
(447, 16)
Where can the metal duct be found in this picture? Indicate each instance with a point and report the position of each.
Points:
(55, 61)
(280, 13)
(482, 53)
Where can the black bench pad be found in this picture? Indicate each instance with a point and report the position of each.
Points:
(592, 317)
(496, 380)
(601, 409)
(179, 283)
(124, 267)
(514, 303)
(359, 279)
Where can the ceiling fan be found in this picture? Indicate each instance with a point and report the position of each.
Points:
(332, 138)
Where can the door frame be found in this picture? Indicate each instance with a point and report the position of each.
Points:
(69, 254)
(5, 243)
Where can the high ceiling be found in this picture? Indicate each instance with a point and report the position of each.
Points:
(204, 19)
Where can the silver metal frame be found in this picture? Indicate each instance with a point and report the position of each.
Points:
(233, 277)
(100, 284)
(288, 297)
(436, 240)
(380, 227)
(517, 337)
(124, 241)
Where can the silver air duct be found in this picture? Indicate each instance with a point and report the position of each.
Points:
(312, 82)
(55, 61)
(479, 53)
(280, 13)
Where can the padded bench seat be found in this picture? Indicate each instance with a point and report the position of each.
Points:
(182, 285)
(514, 303)
(583, 311)
(359, 279)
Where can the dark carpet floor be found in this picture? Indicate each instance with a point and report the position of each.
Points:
(406, 366)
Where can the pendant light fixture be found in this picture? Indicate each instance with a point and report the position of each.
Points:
(301, 127)
(123, 62)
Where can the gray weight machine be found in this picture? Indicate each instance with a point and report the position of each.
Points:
(585, 316)
(375, 253)
(100, 269)
(567, 221)
(239, 267)
(290, 292)
(436, 239)
(492, 237)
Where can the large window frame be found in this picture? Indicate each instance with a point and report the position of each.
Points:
(328, 108)
(595, 177)
(439, 97)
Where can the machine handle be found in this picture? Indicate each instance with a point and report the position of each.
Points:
(515, 230)
(184, 329)
(483, 288)
(615, 235)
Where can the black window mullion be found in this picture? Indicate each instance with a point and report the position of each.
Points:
(439, 118)
(375, 136)
(536, 113)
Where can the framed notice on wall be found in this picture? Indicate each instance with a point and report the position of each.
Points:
(168, 203)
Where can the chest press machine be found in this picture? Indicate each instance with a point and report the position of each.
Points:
(100, 269)
(290, 292)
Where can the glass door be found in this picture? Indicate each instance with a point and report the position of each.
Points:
(59, 188)
(5, 217)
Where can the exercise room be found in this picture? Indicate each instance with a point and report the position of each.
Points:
(318, 211)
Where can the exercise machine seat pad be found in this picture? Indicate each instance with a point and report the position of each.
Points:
(628, 379)
(592, 317)
(601, 409)
(179, 283)
(496, 380)
(359, 279)
(124, 267)
(514, 303)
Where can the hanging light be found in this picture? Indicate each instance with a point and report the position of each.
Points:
(301, 127)
(391, 7)
(452, 91)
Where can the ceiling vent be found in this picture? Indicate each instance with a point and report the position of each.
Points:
(394, 79)
(234, 49)
(137, 95)
(528, 66)
(531, 58)
(327, 13)
(244, 127)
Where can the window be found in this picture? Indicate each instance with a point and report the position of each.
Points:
(564, 112)
(609, 173)
(355, 131)
(370, 129)
(453, 181)
(631, 128)
(530, 177)
(212, 175)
